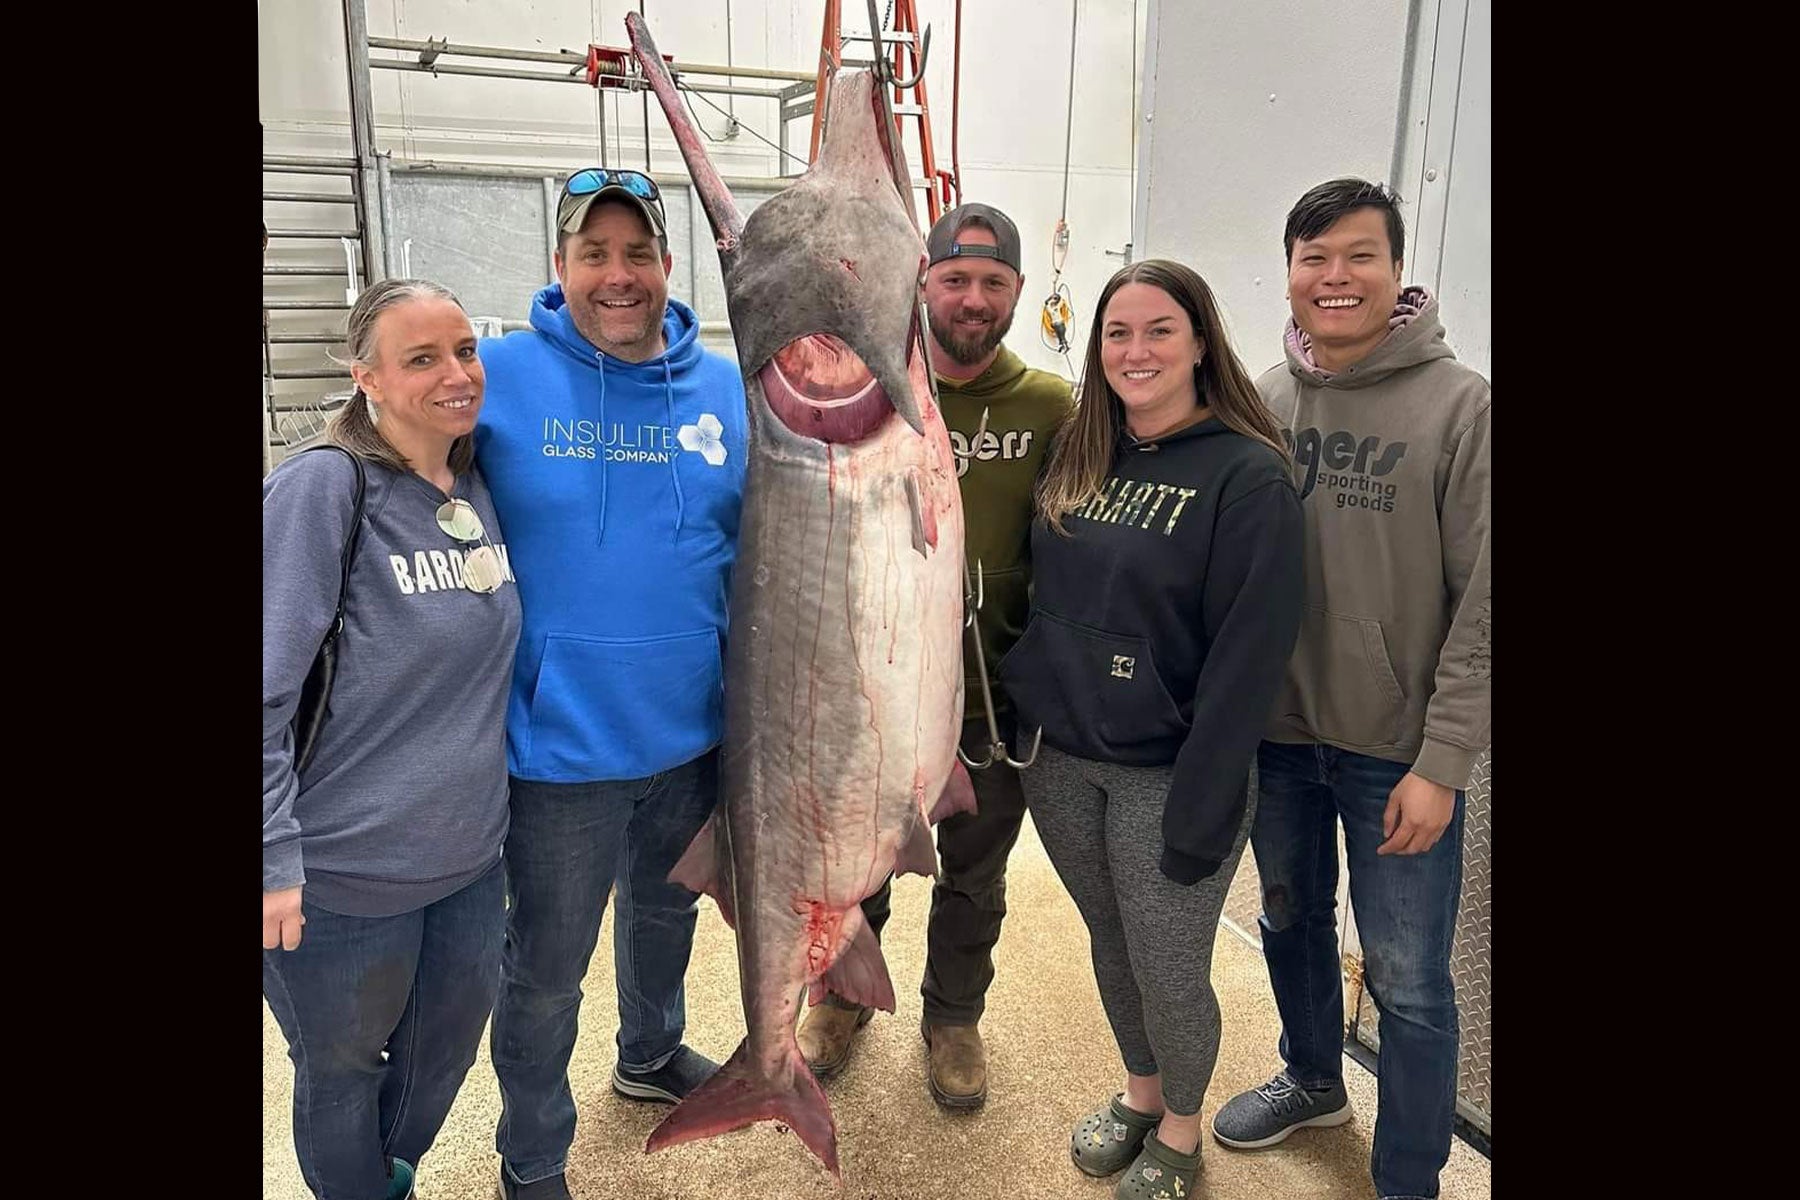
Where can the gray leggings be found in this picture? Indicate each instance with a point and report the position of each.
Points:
(1152, 939)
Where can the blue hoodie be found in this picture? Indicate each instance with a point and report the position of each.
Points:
(619, 486)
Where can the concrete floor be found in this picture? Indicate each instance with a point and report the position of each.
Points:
(1050, 1056)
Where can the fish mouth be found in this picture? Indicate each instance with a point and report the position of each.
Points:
(820, 388)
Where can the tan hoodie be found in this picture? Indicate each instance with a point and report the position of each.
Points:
(1391, 459)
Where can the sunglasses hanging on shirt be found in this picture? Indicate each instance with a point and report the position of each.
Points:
(481, 569)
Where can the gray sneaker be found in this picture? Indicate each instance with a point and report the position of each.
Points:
(686, 1070)
(1265, 1115)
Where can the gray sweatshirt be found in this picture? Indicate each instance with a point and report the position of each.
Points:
(405, 800)
(1391, 459)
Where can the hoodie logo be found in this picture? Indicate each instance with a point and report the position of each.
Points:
(1125, 501)
(704, 437)
(1353, 468)
(1123, 666)
(619, 443)
(1013, 444)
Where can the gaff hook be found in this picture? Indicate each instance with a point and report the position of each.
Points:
(919, 70)
(884, 70)
(1036, 742)
(980, 432)
(996, 747)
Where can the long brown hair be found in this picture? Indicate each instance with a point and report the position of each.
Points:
(1086, 444)
(353, 426)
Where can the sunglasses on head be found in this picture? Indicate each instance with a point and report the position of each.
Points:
(481, 569)
(586, 183)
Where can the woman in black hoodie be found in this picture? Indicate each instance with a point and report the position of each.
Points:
(1168, 583)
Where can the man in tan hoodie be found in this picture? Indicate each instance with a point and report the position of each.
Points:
(1386, 704)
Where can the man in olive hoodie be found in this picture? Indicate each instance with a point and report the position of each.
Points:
(971, 287)
(1385, 708)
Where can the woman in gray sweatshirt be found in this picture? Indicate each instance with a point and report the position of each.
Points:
(383, 893)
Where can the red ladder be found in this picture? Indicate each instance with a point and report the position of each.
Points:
(905, 38)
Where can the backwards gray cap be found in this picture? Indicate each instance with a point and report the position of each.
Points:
(941, 243)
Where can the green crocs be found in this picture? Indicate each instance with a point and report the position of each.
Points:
(1108, 1138)
(1159, 1174)
(400, 1179)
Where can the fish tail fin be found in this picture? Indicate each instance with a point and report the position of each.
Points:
(742, 1093)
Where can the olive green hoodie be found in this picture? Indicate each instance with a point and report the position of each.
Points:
(1024, 406)
(1391, 459)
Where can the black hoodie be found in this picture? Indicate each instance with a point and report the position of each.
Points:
(1161, 626)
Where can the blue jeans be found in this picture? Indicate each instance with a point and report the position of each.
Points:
(418, 986)
(1405, 916)
(568, 845)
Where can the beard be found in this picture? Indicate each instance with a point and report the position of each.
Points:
(969, 348)
(630, 331)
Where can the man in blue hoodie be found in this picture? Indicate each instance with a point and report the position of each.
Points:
(614, 447)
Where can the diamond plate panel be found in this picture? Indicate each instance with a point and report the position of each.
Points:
(1243, 902)
(1471, 961)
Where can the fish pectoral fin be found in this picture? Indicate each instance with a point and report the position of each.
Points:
(698, 870)
(740, 1094)
(860, 972)
(924, 523)
(958, 794)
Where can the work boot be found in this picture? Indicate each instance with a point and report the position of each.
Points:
(958, 1070)
(826, 1033)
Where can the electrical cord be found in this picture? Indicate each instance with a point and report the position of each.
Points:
(687, 97)
(1058, 314)
(759, 137)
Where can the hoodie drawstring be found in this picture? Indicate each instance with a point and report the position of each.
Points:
(601, 537)
(674, 468)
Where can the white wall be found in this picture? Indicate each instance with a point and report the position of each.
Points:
(1446, 168)
(1248, 105)
(1015, 85)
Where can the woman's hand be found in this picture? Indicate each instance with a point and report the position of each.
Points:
(282, 919)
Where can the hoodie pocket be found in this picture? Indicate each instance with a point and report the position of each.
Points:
(624, 708)
(1097, 694)
(1341, 682)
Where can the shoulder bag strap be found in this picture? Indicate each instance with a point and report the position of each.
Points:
(350, 539)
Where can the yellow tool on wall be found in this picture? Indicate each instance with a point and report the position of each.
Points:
(1058, 315)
